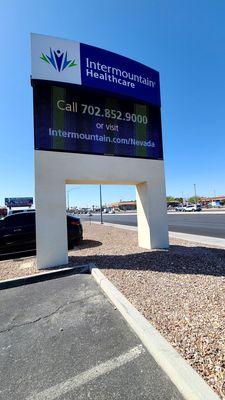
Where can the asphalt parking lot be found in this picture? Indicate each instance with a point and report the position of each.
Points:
(62, 339)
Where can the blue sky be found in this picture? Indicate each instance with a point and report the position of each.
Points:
(183, 40)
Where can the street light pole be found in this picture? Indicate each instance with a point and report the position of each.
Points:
(195, 194)
(100, 194)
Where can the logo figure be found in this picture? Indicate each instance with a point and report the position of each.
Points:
(58, 59)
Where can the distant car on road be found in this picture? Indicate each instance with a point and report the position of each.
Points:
(17, 232)
(192, 207)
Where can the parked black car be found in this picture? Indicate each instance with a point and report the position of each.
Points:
(17, 232)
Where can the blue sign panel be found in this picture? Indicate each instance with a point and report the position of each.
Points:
(71, 118)
(105, 70)
(67, 61)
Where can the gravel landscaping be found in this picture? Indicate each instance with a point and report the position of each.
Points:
(181, 291)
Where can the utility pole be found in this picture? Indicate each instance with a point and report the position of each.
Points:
(195, 194)
(100, 194)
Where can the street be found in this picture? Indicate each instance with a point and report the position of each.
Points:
(195, 223)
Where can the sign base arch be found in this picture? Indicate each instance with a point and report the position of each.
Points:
(53, 170)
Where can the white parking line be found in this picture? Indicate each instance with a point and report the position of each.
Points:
(62, 388)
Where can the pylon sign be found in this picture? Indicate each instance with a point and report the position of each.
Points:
(89, 100)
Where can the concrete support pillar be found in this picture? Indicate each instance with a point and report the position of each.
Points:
(51, 225)
(152, 215)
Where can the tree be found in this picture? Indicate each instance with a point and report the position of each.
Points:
(169, 198)
(192, 199)
(180, 199)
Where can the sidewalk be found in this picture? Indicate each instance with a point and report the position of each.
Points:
(205, 240)
(62, 339)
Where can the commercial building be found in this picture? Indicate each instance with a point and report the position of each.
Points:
(124, 205)
(213, 201)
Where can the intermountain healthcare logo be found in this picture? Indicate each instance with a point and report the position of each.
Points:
(58, 59)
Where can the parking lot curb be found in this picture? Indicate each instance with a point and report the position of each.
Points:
(190, 385)
(26, 280)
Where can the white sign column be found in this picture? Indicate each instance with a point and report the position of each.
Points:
(51, 226)
(152, 213)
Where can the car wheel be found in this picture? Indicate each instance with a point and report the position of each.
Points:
(70, 246)
(74, 243)
(77, 241)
